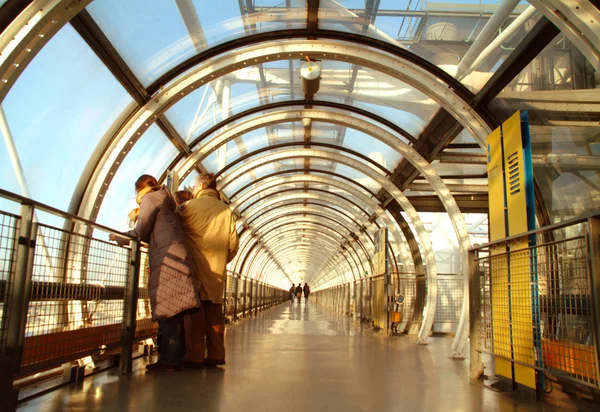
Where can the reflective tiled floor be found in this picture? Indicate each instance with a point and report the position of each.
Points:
(297, 358)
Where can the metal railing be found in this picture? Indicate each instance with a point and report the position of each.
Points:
(449, 302)
(65, 294)
(336, 298)
(245, 296)
(368, 300)
(68, 293)
(536, 304)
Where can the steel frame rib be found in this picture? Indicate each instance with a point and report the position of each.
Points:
(397, 194)
(348, 189)
(328, 173)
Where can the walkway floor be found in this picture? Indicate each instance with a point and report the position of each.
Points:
(297, 358)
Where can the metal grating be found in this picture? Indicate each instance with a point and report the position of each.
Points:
(9, 229)
(547, 300)
(144, 326)
(449, 302)
(379, 302)
(77, 299)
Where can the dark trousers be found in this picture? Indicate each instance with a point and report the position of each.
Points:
(171, 346)
(205, 333)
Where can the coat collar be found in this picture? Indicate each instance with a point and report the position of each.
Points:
(207, 192)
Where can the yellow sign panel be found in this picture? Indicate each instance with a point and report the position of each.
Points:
(499, 266)
(520, 271)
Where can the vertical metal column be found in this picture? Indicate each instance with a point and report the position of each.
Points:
(594, 256)
(245, 297)
(130, 308)
(475, 363)
(15, 309)
(235, 300)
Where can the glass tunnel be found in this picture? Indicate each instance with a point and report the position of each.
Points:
(389, 133)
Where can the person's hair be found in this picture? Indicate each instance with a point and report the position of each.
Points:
(182, 196)
(207, 180)
(145, 181)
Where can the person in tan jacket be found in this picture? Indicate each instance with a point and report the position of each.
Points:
(209, 227)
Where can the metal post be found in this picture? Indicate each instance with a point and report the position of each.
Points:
(16, 309)
(130, 308)
(235, 300)
(475, 363)
(594, 256)
(245, 296)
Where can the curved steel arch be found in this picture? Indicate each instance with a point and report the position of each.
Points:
(381, 134)
(142, 119)
(393, 191)
(315, 194)
(306, 178)
(312, 212)
(283, 35)
(272, 203)
(303, 210)
(368, 161)
(246, 241)
(370, 202)
(324, 248)
(275, 222)
(318, 253)
(310, 170)
(298, 199)
(301, 103)
(292, 248)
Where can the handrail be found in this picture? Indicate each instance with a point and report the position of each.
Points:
(580, 219)
(57, 212)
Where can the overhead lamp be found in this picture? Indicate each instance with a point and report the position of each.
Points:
(310, 72)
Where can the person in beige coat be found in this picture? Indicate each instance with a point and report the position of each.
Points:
(209, 226)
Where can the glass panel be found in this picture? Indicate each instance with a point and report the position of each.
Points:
(347, 171)
(370, 90)
(189, 182)
(364, 144)
(377, 93)
(441, 32)
(262, 171)
(245, 179)
(454, 169)
(196, 112)
(268, 196)
(559, 89)
(445, 245)
(319, 168)
(58, 112)
(168, 32)
(150, 155)
(256, 140)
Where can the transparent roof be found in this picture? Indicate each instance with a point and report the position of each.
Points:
(168, 33)
(93, 109)
(449, 34)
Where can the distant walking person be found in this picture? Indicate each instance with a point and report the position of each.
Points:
(170, 284)
(299, 292)
(212, 239)
(306, 292)
(292, 292)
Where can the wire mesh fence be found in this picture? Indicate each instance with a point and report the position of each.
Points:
(77, 299)
(243, 296)
(9, 229)
(336, 298)
(449, 302)
(535, 306)
(380, 302)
